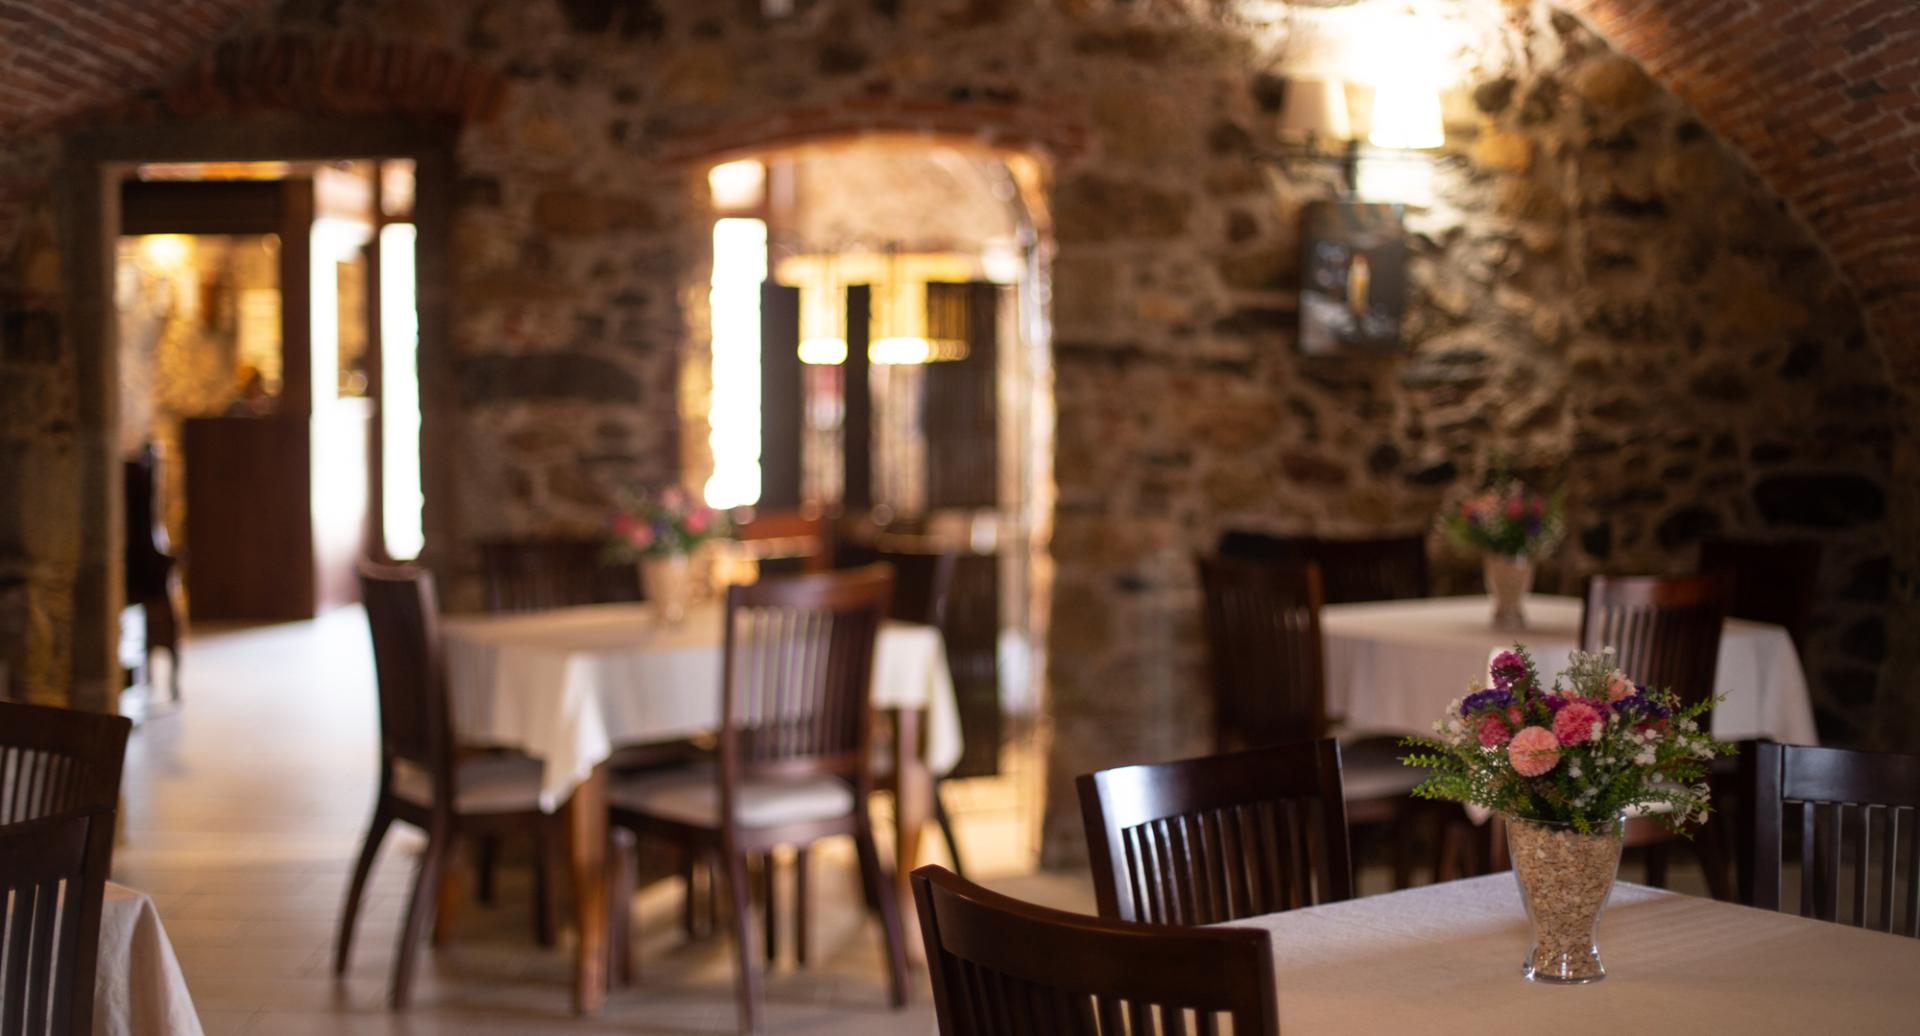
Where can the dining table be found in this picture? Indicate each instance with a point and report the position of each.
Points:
(138, 989)
(1393, 666)
(1445, 959)
(569, 686)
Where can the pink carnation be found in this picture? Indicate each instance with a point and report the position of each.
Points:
(1619, 685)
(1576, 721)
(1533, 751)
(698, 519)
(1494, 732)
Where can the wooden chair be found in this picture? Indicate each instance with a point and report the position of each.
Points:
(1217, 839)
(1383, 568)
(59, 794)
(1773, 580)
(152, 573)
(529, 575)
(1836, 790)
(795, 750)
(1001, 966)
(786, 542)
(1265, 653)
(424, 781)
(1665, 633)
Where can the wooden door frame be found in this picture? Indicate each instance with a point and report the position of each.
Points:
(89, 207)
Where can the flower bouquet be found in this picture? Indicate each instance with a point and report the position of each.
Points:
(1512, 526)
(1563, 765)
(661, 530)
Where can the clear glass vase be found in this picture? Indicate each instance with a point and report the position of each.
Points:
(668, 582)
(1565, 878)
(1508, 580)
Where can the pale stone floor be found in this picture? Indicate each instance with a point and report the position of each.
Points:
(245, 805)
(244, 808)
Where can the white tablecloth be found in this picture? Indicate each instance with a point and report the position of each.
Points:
(138, 989)
(1392, 666)
(567, 686)
(1445, 959)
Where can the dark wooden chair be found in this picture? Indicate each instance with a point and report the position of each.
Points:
(786, 542)
(59, 796)
(1772, 580)
(152, 574)
(1000, 966)
(1203, 841)
(1381, 568)
(1836, 792)
(1266, 662)
(530, 575)
(795, 753)
(1665, 633)
(424, 781)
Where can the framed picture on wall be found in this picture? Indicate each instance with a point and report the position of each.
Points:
(1354, 273)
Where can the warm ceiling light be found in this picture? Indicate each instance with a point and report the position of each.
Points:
(903, 351)
(823, 352)
(738, 185)
(1406, 115)
(1315, 110)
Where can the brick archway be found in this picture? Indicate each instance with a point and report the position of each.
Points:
(1823, 97)
(1057, 131)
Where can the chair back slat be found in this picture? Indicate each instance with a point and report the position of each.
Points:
(1665, 632)
(799, 671)
(1858, 819)
(403, 616)
(527, 575)
(1204, 841)
(59, 792)
(1772, 581)
(1264, 651)
(1000, 966)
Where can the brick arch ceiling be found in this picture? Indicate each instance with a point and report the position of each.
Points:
(61, 57)
(1823, 96)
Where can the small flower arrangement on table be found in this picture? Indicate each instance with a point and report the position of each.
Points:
(661, 530)
(1512, 526)
(1563, 765)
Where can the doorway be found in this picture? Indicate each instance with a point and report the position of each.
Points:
(265, 306)
(879, 357)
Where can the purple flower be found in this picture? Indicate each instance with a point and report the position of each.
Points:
(1642, 705)
(1508, 669)
(1488, 699)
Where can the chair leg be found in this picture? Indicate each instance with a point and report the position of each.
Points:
(1657, 865)
(623, 866)
(770, 884)
(370, 848)
(486, 852)
(881, 889)
(800, 906)
(945, 820)
(451, 896)
(549, 862)
(747, 978)
(426, 885)
(690, 905)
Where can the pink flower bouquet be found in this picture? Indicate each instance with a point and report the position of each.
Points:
(663, 523)
(1580, 752)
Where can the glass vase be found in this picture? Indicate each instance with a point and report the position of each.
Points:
(667, 580)
(1565, 878)
(1508, 580)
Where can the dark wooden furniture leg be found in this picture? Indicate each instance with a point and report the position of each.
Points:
(587, 825)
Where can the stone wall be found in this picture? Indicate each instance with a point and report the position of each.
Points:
(1605, 296)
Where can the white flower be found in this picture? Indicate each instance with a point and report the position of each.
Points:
(1645, 758)
(1689, 725)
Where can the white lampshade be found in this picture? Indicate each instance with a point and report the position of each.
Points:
(1406, 114)
(1315, 109)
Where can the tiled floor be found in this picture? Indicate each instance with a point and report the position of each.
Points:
(244, 808)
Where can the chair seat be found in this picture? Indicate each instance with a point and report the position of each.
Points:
(1370, 768)
(489, 784)
(692, 797)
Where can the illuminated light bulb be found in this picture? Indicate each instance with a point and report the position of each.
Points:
(824, 352)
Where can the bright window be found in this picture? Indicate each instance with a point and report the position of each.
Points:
(733, 417)
(401, 496)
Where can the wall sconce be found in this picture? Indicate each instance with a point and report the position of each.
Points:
(1314, 115)
(1406, 116)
